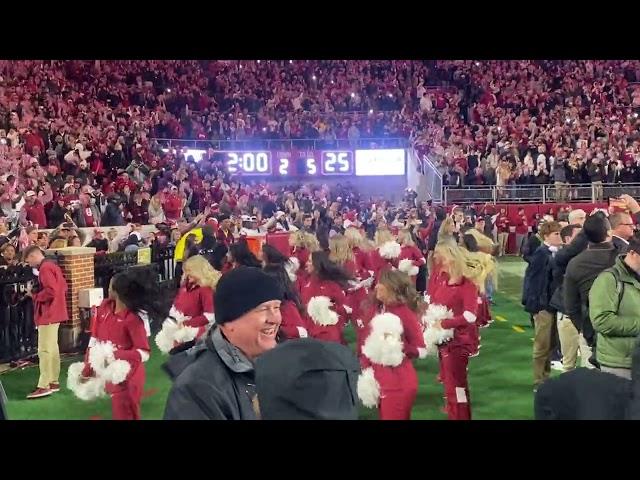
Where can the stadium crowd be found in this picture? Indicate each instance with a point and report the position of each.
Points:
(78, 145)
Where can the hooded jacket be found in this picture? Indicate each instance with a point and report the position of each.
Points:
(213, 380)
(589, 394)
(307, 379)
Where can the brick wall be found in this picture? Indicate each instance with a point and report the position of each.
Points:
(77, 266)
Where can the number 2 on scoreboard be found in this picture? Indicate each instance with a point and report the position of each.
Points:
(284, 166)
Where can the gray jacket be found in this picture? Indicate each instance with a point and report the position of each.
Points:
(211, 381)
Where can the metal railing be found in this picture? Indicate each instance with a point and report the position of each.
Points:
(432, 178)
(548, 193)
(285, 144)
(18, 335)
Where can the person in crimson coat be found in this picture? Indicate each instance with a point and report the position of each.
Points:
(173, 204)
(302, 245)
(341, 253)
(385, 256)
(411, 258)
(119, 346)
(359, 248)
(49, 311)
(193, 311)
(460, 295)
(325, 300)
(394, 338)
(277, 266)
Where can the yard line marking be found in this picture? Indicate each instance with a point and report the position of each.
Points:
(500, 319)
(518, 329)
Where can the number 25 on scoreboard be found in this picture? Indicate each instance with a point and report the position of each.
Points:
(336, 163)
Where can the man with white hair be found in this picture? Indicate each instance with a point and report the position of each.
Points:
(577, 217)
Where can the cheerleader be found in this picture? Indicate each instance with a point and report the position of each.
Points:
(360, 248)
(325, 300)
(386, 253)
(192, 312)
(481, 247)
(410, 259)
(118, 348)
(456, 293)
(302, 244)
(394, 338)
(279, 267)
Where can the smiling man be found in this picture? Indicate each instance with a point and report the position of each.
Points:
(215, 379)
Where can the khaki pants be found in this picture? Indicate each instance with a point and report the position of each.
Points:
(502, 241)
(597, 188)
(543, 323)
(561, 191)
(48, 354)
(569, 342)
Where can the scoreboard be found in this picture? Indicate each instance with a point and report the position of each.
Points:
(310, 163)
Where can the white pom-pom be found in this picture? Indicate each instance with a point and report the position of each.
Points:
(405, 265)
(117, 371)
(86, 390)
(177, 315)
(390, 250)
(384, 344)
(186, 334)
(319, 309)
(165, 338)
(368, 388)
(100, 355)
(434, 335)
(292, 267)
(427, 298)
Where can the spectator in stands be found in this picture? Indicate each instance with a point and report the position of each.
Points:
(580, 274)
(614, 300)
(98, 241)
(8, 255)
(537, 295)
(112, 216)
(50, 309)
(33, 211)
(173, 204)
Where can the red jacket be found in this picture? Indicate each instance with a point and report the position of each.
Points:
(522, 227)
(502, 222)
(36, 214)
(127, 332)
(412, 253)
(293, 323)
(460, 299)
(315, 288)
(50, 302)
(226, 238)
(172, 207)
(362, 263)
(195, 302)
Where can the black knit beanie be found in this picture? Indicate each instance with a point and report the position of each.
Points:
(241, 290)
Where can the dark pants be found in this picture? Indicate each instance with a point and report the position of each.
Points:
(421, 279)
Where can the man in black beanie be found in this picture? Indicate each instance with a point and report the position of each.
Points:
(307, 379)
(215, 379)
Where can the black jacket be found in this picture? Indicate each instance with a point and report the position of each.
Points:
(530, 247)
(211, 381)
(565, 255)
(580, 275)
(619, 244)
(537, 287)
(585, 394)
(112, 216)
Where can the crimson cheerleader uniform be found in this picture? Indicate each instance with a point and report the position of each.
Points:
(293, 324)
(127, 332)
(196, 302)
(356, 298)
(398, 385)
(325, 288)
(379, 263)
(410, 252)
(462, 300)
(302, 277)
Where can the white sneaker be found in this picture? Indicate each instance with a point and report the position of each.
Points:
(557, 365)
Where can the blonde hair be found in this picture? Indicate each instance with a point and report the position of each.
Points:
(485, 244)
(382, 236)
(58, 243)
(475, 266)
(405, 239)
(356, 239)
(339, 249)
(302, 239)
(198, 268)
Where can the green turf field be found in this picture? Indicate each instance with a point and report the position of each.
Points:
(500, 377)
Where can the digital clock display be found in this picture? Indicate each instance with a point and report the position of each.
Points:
(248, 163)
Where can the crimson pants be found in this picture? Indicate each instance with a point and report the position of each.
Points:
(453, 369)
(397, 405)
(126, 397)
